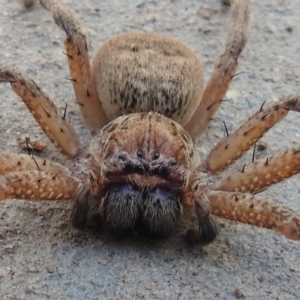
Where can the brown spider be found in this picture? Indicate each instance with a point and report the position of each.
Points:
(144, 102)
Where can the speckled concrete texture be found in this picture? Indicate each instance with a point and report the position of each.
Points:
(42, 257)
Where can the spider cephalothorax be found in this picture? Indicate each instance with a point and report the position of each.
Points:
(144, 102)
(146, 165)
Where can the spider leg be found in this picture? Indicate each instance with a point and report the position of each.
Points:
(223, 72)
(44, 110)
(79, 64)
(257, 211)
(233, 146)
(24, 176)
(36, 184)
(29, 177)
(262, 173)
(11, 162)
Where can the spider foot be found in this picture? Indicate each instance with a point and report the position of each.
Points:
(205, 235)
(81, 216)
(94, 221)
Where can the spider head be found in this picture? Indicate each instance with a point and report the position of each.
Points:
(145, 159)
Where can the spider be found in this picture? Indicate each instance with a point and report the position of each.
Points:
(144, 102)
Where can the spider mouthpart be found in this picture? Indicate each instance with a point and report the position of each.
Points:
(127, 164)
(160, 213)
(121, 208)
(134, 168)
(152, 212)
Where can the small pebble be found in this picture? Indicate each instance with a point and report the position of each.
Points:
(28, 3)
(205, 16)
(261, 146)
(289, 28)
(50, 269)
(31, 144)
(226, 2)
(238, 294)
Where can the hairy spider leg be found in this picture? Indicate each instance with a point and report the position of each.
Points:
(79, 64)
(44, 111)
(223, 72)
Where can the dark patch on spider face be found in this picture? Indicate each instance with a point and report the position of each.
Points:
(160, 169)
(135, 164)
(152, 212)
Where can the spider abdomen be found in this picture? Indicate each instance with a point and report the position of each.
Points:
(139, 72)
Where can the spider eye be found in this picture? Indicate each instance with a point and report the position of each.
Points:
(156, 155)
